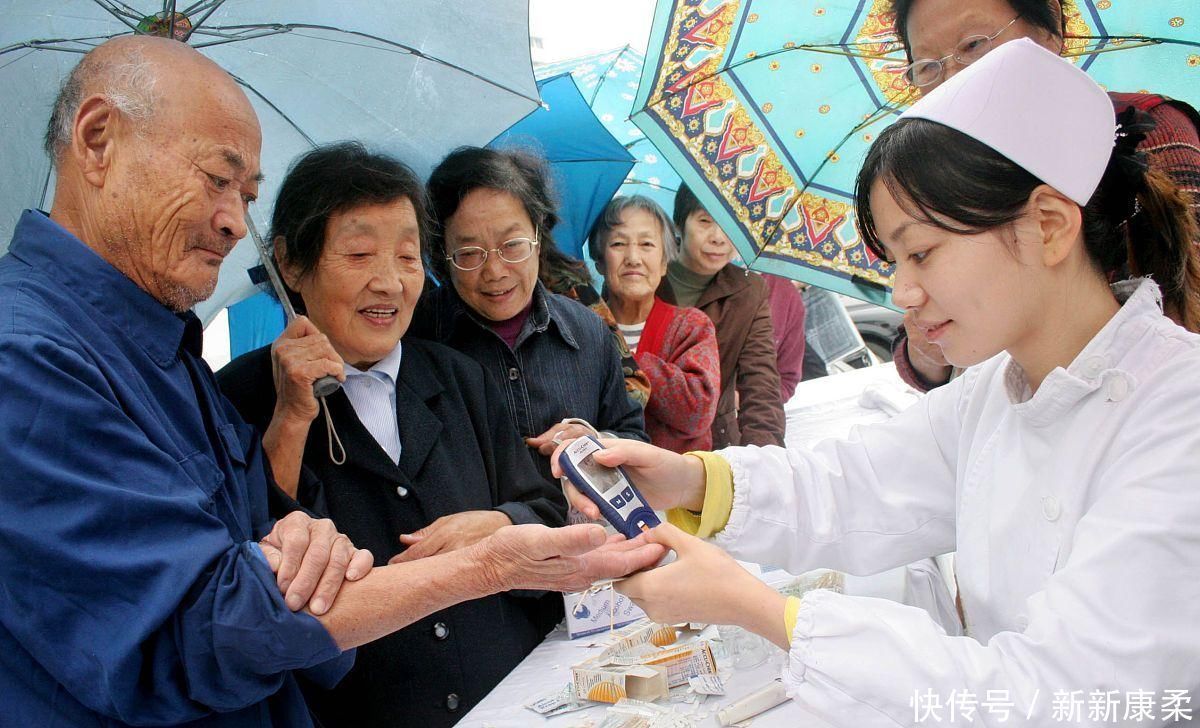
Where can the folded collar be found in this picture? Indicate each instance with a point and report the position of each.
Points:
(60, 256)
(1102, 364)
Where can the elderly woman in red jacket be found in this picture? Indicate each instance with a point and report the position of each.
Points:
(631, 243)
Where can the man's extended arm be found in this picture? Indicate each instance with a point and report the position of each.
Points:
(514, 557)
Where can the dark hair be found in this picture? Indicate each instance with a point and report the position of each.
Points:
(1049, 15)
(947, 179)
(610, 217)
(686, 203)
(332, 179)
(524, 175)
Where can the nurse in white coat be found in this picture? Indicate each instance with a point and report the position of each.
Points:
(1064, 466)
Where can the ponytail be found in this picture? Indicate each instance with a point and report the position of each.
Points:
(1139, 221)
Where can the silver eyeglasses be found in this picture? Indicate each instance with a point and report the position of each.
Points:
(472, 257)
(928, 71)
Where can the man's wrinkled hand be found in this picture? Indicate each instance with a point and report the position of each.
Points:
(312, 560)
(566, 559)
(450, 533)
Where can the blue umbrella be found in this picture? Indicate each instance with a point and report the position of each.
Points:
(609, 82)
(414, 80)
(588, 164)
(767, 108)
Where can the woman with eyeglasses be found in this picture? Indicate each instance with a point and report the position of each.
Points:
(941, 37)
(415, 455)
(553, 357)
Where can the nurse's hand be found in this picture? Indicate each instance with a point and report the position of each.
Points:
(299, 357)
(450, 533)
(312, 560)
(705, 584)
(666, 479)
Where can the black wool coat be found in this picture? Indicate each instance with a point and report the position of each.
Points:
(459, 452)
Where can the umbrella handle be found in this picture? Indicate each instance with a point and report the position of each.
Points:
(326, 386)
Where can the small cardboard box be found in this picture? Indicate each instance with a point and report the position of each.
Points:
(683, 663)
(598, 611)
(610, 683)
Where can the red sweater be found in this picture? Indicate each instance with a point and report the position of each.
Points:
(685, 379)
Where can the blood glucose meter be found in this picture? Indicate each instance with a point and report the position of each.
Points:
(609, 488)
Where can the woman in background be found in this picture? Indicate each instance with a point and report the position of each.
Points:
(632, 242)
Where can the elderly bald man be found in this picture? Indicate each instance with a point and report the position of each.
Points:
(140, 580)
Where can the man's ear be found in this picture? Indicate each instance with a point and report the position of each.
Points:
(93, 138)
(1060, 220)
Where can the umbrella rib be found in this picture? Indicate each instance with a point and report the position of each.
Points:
(230, 37)
(1138, 42)
(48, 44)
(133, 12)
(277, 110)
(214, 7)
(629, 161)
(828, 49)
(113, 11)
(289, 27)
(603, 76)
(656, 186)
(46, 184)
(6, 65)
(193, 7)
(128, 10)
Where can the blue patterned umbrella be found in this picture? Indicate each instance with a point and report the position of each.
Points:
(766, 109)
(609, 82)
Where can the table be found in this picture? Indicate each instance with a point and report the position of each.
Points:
(549, 667)
(825, 407)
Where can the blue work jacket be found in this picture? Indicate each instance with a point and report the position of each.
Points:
(132, 590)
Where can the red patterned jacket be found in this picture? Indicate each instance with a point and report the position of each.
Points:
(684, 367)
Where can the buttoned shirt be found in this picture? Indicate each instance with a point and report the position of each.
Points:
(132, 495)
(372, 394)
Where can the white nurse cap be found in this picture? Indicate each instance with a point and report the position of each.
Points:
(1036, 109)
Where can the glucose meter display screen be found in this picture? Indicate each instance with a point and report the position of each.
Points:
(603, 478)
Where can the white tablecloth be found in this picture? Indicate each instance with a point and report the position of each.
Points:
(549, 667)
(826, 407)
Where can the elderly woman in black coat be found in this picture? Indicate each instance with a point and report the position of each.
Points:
(415, 455)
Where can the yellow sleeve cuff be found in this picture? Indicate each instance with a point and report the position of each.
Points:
(718, 499)
(790, 613)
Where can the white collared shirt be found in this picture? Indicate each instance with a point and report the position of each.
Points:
(372, 394)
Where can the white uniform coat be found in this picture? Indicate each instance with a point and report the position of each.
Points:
(1075, 514)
